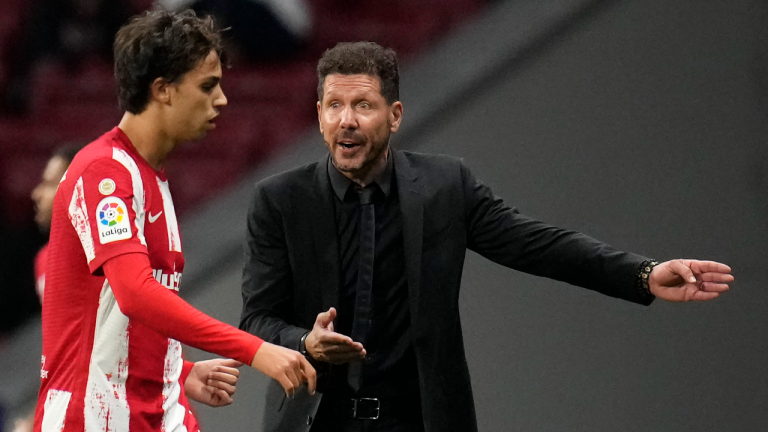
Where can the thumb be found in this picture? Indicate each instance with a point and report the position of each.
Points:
(326, 318)
(231, 363)
(683, 270)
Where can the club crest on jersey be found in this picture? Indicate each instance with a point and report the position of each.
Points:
(107, 186)
(113, 223)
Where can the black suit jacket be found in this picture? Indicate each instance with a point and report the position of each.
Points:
(292, 271)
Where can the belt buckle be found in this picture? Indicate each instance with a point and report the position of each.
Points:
(377, 410)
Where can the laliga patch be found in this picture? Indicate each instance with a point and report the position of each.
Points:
(112, 220)
(107, 186)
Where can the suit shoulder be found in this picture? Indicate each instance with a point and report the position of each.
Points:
(431, 159)
(300, 176)
(438, 166)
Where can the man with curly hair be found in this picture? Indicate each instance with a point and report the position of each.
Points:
(356, 261)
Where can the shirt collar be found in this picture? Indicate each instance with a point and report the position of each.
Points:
(342, 183)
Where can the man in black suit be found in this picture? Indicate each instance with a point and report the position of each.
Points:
(356, 262)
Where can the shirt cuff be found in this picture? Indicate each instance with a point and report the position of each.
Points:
(642, 282)
(185, 370)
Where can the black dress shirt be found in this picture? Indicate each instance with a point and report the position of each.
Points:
(390, 366)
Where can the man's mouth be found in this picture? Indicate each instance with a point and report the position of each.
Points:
(348, 145)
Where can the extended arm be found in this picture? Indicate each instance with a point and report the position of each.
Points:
(501, 234)
(141, 298)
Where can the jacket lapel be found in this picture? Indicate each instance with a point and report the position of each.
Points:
(412, 209)
(323, 226)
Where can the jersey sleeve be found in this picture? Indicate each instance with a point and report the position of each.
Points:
(141, 298)
(107, 211)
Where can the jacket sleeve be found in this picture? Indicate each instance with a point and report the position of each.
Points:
(500, 233)
(267, 287)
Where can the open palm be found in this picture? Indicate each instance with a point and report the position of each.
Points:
(686, 280)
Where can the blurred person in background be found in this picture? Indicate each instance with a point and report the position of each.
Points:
(113, 321)
(261, 29)
(42, 195)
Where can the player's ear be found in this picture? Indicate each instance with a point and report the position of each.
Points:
(161, 90)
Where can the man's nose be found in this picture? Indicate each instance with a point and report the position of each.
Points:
(348, 119)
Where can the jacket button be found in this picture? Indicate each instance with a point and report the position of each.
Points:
(309, 420)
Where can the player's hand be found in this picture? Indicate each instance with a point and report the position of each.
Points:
(686, 280)
(325, 345)
(213, 382)
(286, 366)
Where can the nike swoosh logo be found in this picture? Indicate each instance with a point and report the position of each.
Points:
(152, 218)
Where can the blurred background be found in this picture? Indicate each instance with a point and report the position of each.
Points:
(641, 123)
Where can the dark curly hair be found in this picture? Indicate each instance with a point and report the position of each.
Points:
(369, 58)
(160, 44)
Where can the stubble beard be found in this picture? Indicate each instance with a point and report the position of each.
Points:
(369, 161)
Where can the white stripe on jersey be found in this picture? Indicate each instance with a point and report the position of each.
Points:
(174, 239)
(106, 403)
(78, 215)
(55, 410)
(138, 189)
(173, 411)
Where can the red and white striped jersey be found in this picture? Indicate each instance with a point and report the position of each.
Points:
(100, 371)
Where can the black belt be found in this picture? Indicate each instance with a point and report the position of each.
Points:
(373, 408)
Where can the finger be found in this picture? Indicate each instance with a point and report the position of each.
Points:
(229, 363)
(225, 398)
(334, 339)
(679, 267)
(221, 385)
(229, 378)
(330, 326)
(310, 375)
(295, 376)
(703, 295)
(342, 349)
(716, 277)
(714, 287)
(287, 384)
(709, 266)
(330, 337)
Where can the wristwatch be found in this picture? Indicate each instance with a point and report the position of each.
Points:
(303, 344)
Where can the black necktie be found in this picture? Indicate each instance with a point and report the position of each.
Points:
(364, 288)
